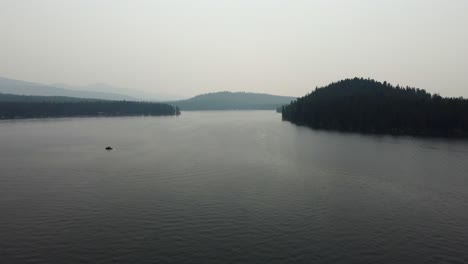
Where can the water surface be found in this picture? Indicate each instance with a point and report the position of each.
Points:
(227, 187)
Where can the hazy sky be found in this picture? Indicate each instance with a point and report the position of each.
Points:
(282, 47)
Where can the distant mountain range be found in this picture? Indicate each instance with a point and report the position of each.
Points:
(11, 86)
(95, 91)
(137, 95)
(233, 101)
(15, 98)
(21, 91)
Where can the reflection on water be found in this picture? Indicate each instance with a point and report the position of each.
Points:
(224, 187)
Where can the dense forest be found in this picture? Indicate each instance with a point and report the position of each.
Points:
(233, 101)
(38, 109)
(365, 105)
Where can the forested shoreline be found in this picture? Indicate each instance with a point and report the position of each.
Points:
(86, 108)
(369, 106)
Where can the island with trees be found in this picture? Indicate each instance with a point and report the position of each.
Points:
(369, 106)
(20, 106)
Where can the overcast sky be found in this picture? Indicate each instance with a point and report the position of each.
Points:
(282, 47)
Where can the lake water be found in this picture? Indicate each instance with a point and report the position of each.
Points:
(227, 187)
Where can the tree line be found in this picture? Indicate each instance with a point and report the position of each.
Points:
(369, 106)
(10, 110)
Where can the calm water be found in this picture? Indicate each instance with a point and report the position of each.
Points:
(226, 187)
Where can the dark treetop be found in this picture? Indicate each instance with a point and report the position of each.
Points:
(38, 107)
(365, 105)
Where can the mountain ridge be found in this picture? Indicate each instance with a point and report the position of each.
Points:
(38, 98)
(226, 100)
(107, 88)
(19, 87)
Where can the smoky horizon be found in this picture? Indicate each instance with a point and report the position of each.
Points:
(187, 48)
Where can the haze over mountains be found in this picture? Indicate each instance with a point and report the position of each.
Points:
(23, 91)
(94, 91)
(137, 94)
(38, 98)
(11, 86)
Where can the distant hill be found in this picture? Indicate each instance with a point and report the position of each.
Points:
(11, 86)
(35, 98)
(365, 105)
(233, 101)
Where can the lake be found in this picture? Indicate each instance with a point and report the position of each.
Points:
(227, 187)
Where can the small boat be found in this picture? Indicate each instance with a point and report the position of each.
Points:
(109, 148)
